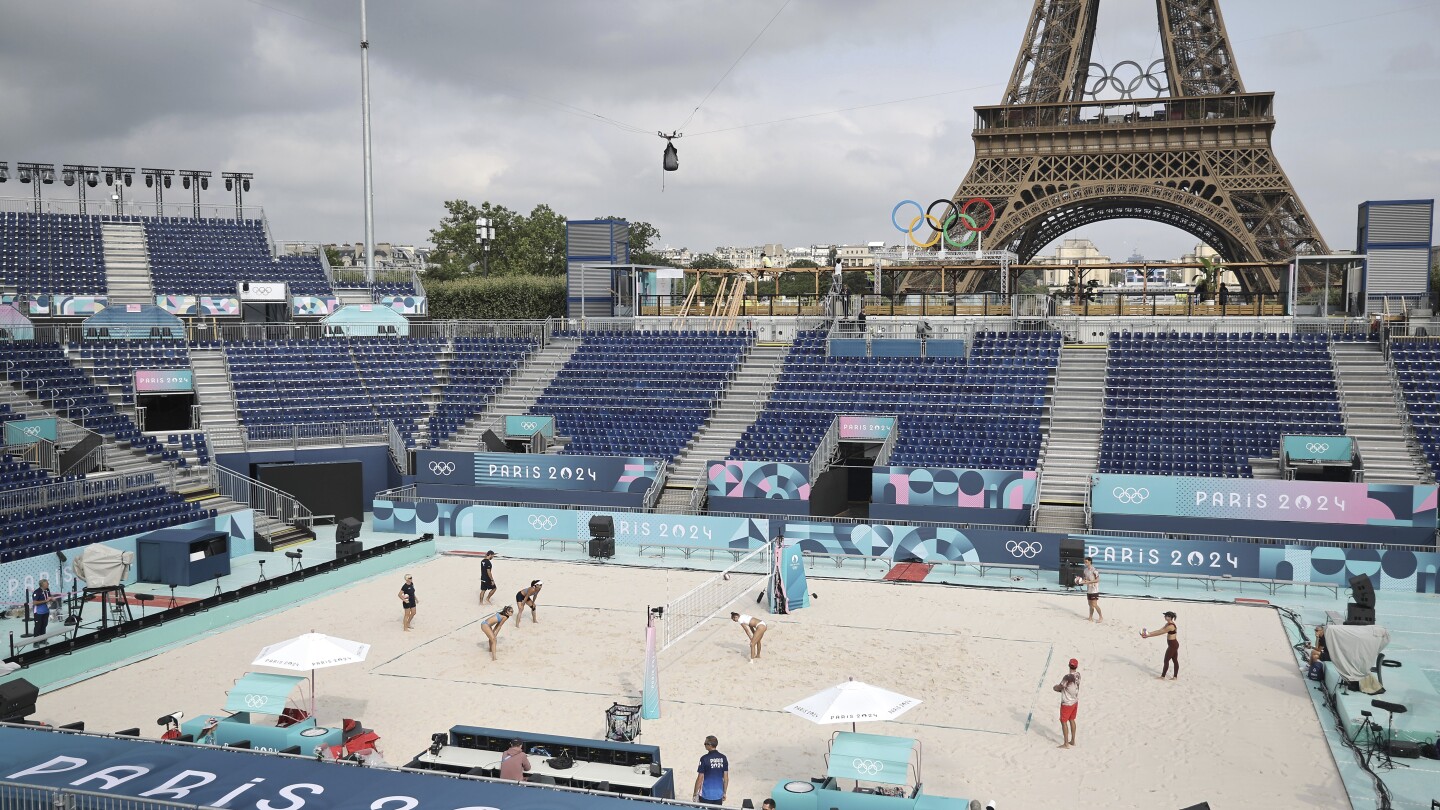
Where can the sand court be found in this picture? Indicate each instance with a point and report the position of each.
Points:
(1237, 730)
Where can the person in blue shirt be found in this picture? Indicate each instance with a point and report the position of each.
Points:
(712, 779)
(40, 602)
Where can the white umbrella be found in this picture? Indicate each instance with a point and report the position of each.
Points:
(312, 651)
(853, 702)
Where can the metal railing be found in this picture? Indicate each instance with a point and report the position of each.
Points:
(882, 456)
(399, 452)
(318, 434)
(700, 491)
(40, 453)
(133, 208)
(1175, 303)
(93, 460)
(18, 500)
(18, 796)
(264, 499)
(657, 487)
(825, 451)
(210, 329)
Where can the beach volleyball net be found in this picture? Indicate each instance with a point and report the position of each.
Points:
(685, 614)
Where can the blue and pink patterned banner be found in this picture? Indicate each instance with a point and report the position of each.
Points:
(770, 480)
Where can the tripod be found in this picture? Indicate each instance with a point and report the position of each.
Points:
(1385, 760)
(262, 571)
(1367, 737)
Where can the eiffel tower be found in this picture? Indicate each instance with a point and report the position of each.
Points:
(1179, 141)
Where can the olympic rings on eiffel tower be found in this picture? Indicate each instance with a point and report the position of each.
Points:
(967, 216)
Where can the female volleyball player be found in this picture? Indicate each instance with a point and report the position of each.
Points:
(754, 630)
(1172, 645)
(527, 597)
(491, 627)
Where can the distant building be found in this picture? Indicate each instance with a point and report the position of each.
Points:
(387, 256)
(1070, 254)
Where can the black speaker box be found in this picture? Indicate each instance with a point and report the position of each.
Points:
(1405, 749)
(348, 548)
(347, 529)
(1357, 614)
(602, 547)
(602, 526)
(17, 700)
(1069, 571)
(1362, 591)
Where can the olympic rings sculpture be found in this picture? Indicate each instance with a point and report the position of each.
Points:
(966, 216)
(1099, 79)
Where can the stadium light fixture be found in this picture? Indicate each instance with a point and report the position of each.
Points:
(4, 171)
(36, 174)
(238, 182)
(158, 179)
(195, 180)
(81, 176)
(123, 173)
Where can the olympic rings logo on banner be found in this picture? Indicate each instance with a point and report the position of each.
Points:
(543, 522)
(1132, 495)
(869, 767)
(529, 425)
(442, 467)
(1023, 548)
(32, 430)
(1317, 447)
(966, 216)
(256, 701)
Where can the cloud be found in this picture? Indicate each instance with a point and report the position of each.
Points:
(499, 101)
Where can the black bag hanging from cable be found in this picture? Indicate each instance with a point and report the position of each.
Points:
(670, 161)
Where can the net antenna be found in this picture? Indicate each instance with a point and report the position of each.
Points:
(687, 613)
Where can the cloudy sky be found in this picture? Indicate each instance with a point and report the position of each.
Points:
(838, 110)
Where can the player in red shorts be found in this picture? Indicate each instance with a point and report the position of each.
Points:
(1069, 689)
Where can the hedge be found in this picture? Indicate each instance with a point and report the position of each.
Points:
(503, 298)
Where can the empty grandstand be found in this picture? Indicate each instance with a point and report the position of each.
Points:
(1206, 404)
(984, 411)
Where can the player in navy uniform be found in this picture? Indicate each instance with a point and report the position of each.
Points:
(408, 600)
(40, 601)
(487, 579)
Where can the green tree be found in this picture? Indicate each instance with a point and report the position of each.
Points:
(332, 256)
(709, 261)
(532, 244)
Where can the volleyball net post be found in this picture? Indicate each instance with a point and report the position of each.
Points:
(686, 614)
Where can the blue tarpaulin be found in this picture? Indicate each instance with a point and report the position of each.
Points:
(366, 320)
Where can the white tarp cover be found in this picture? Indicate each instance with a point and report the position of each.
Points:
(102, 567)
(1354, 648)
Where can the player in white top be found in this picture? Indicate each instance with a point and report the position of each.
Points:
(754, 630)
(1091, 580)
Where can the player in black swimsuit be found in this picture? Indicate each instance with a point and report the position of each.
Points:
(487, 579)
(527, 597)
(1172, 645)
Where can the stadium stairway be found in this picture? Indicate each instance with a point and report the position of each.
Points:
(1072, 448)
(354, 295)
(519, 394)
(740, 405)
(1373, 417)
(127, 263)
(213, 392)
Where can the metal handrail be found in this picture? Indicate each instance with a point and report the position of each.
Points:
(700, 491)
(62, 492)
(657, 487)
(93, 460)
(829, 445)
(399, 452)
(262, 498)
